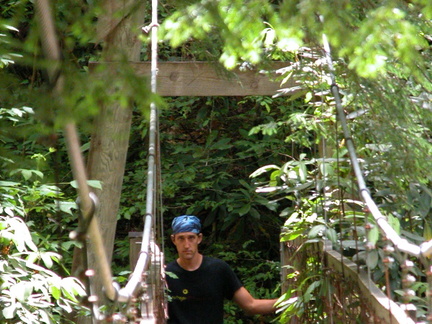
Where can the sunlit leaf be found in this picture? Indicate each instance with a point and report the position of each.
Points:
(46, 258)
(67, 206)
(291, 235)
(317, 230)
(22, 290)
(373, 235)
(264, 169)
(92, 183)
(394, 222)
(55, 291)
(9, 311)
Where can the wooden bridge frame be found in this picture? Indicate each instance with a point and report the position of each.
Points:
(207, 79)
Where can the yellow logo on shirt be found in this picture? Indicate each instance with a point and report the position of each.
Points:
(185, 291)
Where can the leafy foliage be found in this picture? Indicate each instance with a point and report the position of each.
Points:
(258, 275)
(32, 289)
(30, 292)
(206, 161)
(325, 201)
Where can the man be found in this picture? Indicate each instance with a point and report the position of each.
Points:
(200, 283)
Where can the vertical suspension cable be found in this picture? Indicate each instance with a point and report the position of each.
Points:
(151, 174)
(152, 171)
(157, 185)
(341, 213)
(355, 231)
(158, 173)
(325, 204)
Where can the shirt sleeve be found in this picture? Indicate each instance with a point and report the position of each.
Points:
(232, 282)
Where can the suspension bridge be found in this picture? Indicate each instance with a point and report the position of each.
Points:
(356, 297)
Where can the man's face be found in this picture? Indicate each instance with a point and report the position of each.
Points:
(186, 244)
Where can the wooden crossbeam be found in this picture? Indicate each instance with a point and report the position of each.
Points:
(207, 79)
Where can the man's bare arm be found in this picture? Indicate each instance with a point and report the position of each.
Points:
(252, 305)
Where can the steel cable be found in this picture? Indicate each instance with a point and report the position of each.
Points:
(399, 242)
(148, 238)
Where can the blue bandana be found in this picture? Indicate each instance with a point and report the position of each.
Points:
(186, 223)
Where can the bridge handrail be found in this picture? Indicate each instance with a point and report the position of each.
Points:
(425, 249)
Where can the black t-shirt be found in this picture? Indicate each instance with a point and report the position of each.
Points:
(197, 296)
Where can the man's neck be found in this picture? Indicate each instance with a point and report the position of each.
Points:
(192, 264)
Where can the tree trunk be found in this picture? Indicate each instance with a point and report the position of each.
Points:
(110, 138)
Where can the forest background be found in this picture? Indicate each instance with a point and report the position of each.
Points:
(212, 147)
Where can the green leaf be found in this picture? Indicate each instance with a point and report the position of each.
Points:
(91, 183)
(372, 259)
(68, 244)
(38, 173)
(55, 291)
(302, 171)
(331, 235)
(427, 231)
(9, 312)
(292, 235)
(67, 206)
(394, 223)
(373, 235)
(95, 184)
(317, 230)
(8, 184)
(26, 174)
(46, 258)
(85, 147)
(244, 209)
(222, 144)
(3, 225)
(264, 169)
(308, 294)
(254, 213)
(326, 169)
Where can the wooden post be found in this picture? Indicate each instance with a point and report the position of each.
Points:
(288, 256)
(135, 239)
(118, 27)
